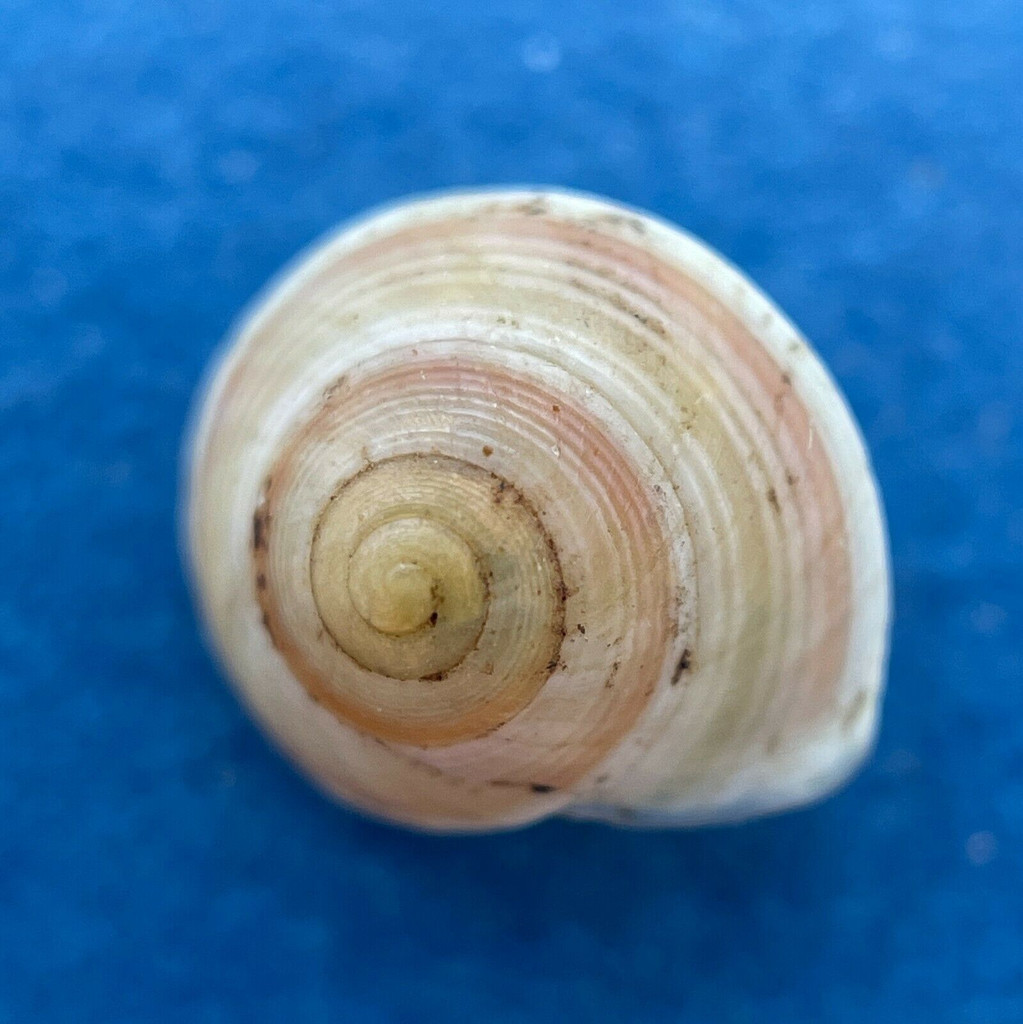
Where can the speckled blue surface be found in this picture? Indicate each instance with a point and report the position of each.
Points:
(861, 159)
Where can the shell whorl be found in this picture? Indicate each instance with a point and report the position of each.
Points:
(507, 504)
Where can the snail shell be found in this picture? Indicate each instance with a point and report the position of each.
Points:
(508, 504)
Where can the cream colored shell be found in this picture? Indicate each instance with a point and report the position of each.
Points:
(508, 504)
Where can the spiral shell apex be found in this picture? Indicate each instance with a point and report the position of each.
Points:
(508, 504)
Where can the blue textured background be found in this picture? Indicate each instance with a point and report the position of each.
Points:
(861, 159)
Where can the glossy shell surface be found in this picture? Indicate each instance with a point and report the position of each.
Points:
(508, 504)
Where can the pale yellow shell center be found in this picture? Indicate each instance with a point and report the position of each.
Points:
(408, 573)
(398, 601)
(439, 600)
(399, 584)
